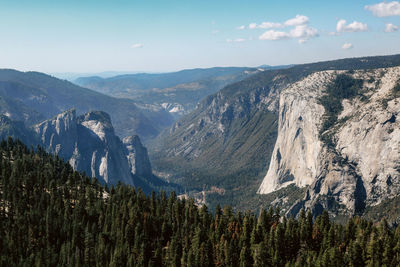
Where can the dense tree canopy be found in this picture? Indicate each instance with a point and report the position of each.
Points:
(51, 215)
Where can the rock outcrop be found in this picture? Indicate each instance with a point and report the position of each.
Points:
(137, 156)
(89, 143)
(233, 131)
(362, 167)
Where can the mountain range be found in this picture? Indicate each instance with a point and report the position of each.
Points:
(32, 97)
(178, 92)
(322, 136)
(224, 147)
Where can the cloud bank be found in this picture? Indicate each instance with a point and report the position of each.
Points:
(300, 29)
(385, 9)
(352, 27)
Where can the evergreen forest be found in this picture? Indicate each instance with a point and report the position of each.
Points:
(51, 215)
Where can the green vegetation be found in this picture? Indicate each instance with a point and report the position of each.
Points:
(237, 159)
(266, 78)
(343, 87)
(236, 163)
(396, 90)
(388, 209)
(186, 87)
(53, 216)
(17, 129)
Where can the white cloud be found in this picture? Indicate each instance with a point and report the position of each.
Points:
(242, 27)
(347, 46)
(303, 32)
(273, 35)
(385, 9)
(299, 29)
(391, 27)
(137, 46)
(266, 25)
(215, 31)
(270, 25)
(341, 25)
(352, 27)
(253, 26)
(298, 20)
(237, 40)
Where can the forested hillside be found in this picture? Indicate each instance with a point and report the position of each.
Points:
(228, 140)
(51, 215)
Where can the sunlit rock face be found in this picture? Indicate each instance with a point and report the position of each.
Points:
(363, 166)
(89, 143)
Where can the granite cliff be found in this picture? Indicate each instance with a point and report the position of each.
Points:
(89, 143)
(354, 163)
(227, 142)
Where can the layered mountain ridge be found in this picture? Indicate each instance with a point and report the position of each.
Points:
(33, 97)
(228, 141)
(178, 92)
(320, 136)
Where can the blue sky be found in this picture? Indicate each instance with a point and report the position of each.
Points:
(150, 35)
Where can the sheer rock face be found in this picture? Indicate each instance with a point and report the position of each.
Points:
(296, 152)
(137, 156)
(89, 143)
(362, 168)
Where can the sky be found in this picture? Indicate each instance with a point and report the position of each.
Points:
(167, 35)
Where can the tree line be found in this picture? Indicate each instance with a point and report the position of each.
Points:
(51, 215)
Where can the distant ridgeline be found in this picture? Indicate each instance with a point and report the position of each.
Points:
(51, 215)
(178, 92)
(228, 144)
(32, 97)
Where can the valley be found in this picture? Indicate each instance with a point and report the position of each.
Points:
(200, 133)
(270, 139)
(228, 141)
(177, 92)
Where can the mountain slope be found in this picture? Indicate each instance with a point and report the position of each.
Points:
(17, 130)
(33, 96)
(182, 152)
(178, 92)
(88, 142)
(53, 216)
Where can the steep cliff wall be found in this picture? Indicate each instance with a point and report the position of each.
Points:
(137, 156)
(358, 161)
(89, 143)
